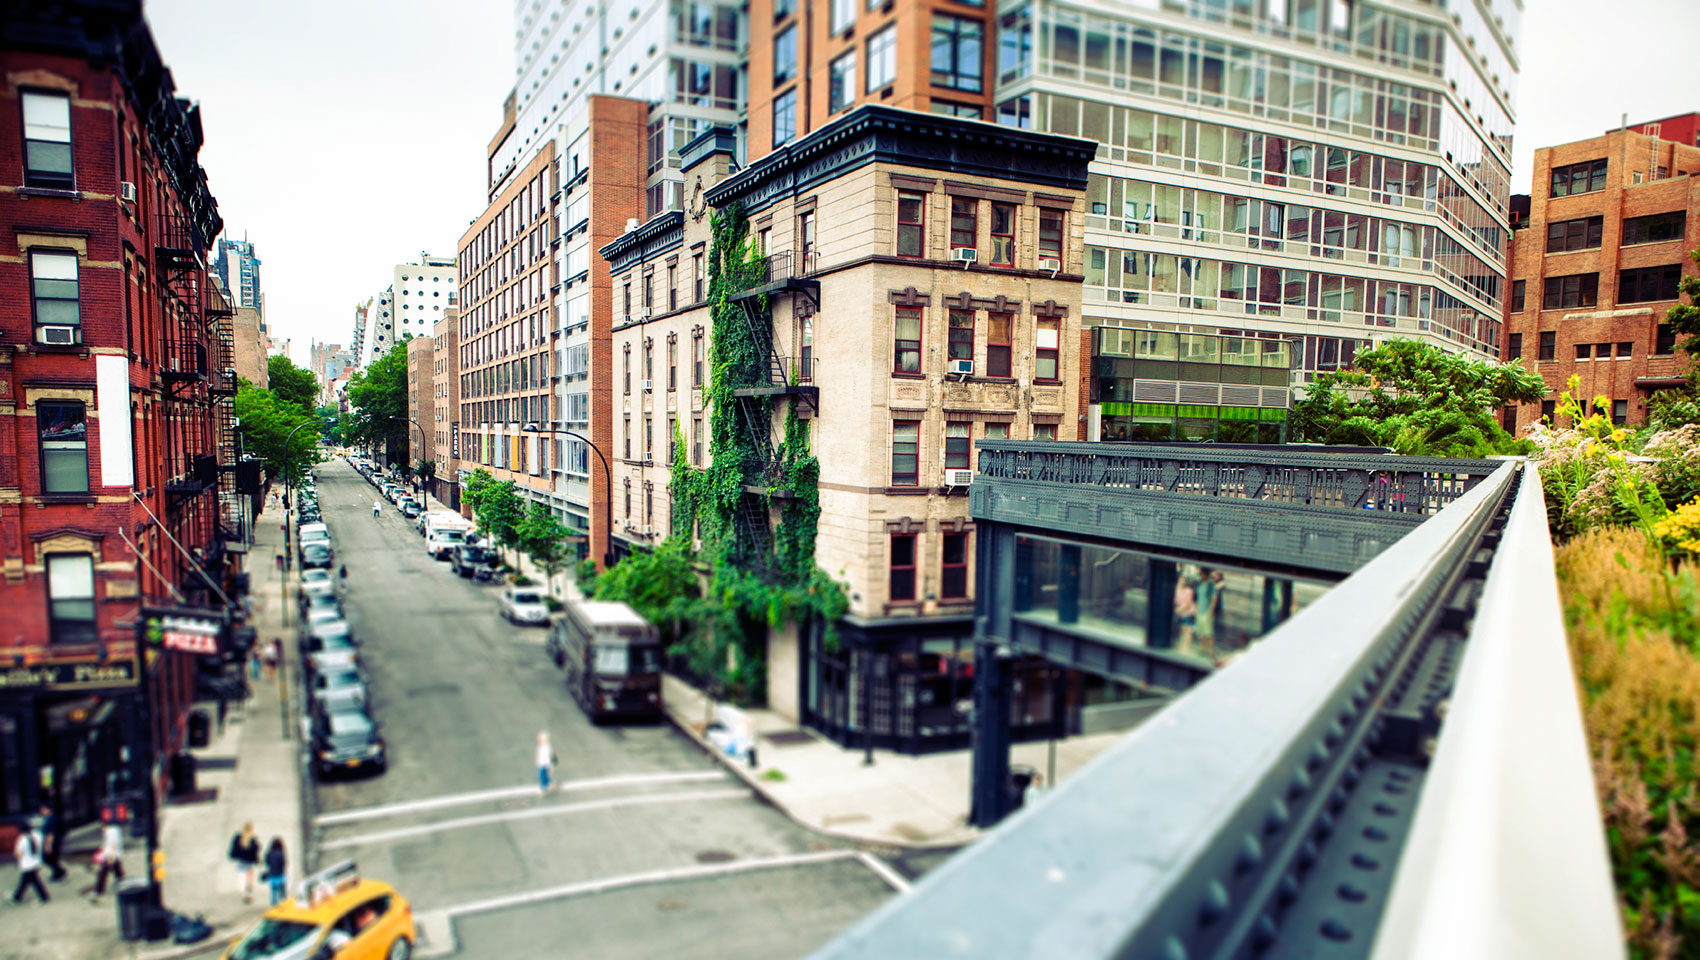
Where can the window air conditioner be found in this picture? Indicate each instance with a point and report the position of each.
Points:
(63, 335)
(962, 366)
(958, 477)
(126, 192)
(964, 255)
(649, 386)
(1050, 263)
(643, 314)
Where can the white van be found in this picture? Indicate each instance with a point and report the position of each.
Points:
(445, 530)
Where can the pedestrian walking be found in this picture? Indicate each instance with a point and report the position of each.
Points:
(280, 563)
(342, 576)
(109, 859)
(377, 507)
(254, 663)
(27, 850)
(245, 854)
(1035, 789)
(271, 657)
(546, 760)
(277, 870)
(51, 841)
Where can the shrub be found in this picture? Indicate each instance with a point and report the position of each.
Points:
(521, 580)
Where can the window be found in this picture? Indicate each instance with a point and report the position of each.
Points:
(958, 439)
(953, 567)
(672, 362)
(1657, 228)
(1583, 234)
(649, 363)
(1003, 234)
(627, 369)
(1051, 234)
(998, 329)
(1548, 345)
(902, 567)
(1518, 289)
(841, 88)
(783, 9)
(70, 597)
(47, 140)
(1045, 357)
(63, 434)
(648, 439)
(1624, 349)
(964, 222)
(785, 117)
(806, 238)
(1620, 412)
(946, 108)
(957, 53)
(696, 441)
(806, 349)
(841, 15)
(1547, 408)
(906, 356)
(1514, 350)
(672, 434)
(628, 498)
(1576, 290)
(1585, 351)
(997, 431)
(882, 58)
(1664, 341)
(911, 217)
(1648, 284)
(628, 313)
(905, 453)
(696, 359)
(53, 287)
(961, 342)
(628, 436)
(1579, 178)
(784, 55)
(1044, 431)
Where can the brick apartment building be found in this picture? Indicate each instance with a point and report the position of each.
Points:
(1595, 266)
(117, 372)
(444, 427)
(898, 355)
(421, 357)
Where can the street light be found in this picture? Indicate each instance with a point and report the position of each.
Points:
(607, 481)
(421, 444)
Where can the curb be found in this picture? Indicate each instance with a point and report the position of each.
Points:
(759, 786)
(221, 937)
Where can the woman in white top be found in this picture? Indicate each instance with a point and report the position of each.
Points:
(110, 856)
(545, 761)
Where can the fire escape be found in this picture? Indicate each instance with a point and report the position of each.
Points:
(769, 375)
(221, 386)
(191, 465)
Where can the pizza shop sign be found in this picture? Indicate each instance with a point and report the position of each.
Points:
(189, 631)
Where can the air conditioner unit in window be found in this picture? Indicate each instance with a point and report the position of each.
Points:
(964, 255)
(643, 314)
(958, 477)
(58, 335)
(1050, 263)
(962, 366)
(126, 192)
(648, 386)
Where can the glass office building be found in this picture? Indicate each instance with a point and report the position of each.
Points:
(1162, 386)
(1322, 170)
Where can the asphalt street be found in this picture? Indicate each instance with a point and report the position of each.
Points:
(649, 849)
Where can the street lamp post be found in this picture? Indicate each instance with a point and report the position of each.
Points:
(607, 481)
(421, 446)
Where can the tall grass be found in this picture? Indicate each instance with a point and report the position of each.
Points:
(1634, 626)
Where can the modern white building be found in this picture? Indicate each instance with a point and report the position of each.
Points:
(420, 292)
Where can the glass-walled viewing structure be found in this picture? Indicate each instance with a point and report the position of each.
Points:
(1161, 386)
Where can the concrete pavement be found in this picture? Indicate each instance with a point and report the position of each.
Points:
(252, 771)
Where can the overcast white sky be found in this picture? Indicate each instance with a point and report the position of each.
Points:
(345, 137)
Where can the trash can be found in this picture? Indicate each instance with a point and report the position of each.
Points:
(200, 728)
(182, 773)
(1020, 775)
(135, 899)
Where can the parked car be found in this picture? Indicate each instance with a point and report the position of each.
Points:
(468, 557)
(316, 580)
(346, 739)
(321, 600)
(411, 509)
(336, 681)
(315, 555)
(524, 605)
(330, 647)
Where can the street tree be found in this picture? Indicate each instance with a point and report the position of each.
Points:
(543, 537)
(500, 511)
(1415, 399)
(266, 424)
(378, 395)
(291, 384)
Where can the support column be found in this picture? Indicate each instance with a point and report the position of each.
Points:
(1277, 602)
(1160, 604)
(1024, 586)
(989, 792)
(1068, 583)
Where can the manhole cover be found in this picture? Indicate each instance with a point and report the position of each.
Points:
(669, 906)
(433, 688)
(716, 856)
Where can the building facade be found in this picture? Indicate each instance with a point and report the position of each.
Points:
(117, 373)
(444, 425)
(421, 359)
(1683, 129)
(420, 292)
(897, 354)
(1595, 269)
(239, 268)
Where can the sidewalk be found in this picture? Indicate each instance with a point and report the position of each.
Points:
(249, 771)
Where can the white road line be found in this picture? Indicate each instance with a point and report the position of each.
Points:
(508, 793)
(646, 799)
(641, 879)
(883, 870)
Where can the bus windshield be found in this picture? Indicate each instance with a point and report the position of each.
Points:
(622, 660)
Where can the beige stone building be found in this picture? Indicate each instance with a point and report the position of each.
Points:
(922, 280)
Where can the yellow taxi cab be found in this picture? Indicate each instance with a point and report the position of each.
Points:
(336, 914)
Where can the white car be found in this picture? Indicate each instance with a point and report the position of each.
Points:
(524, 605)
(315, 582)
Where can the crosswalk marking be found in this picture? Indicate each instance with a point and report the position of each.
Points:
(645, 799)
(508, 793)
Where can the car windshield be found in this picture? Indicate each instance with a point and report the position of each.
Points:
(476, 554)
(527, 596)
(316, 576)
(271, 937)
(342, 678)
(322, 601)
(315, 551)
(610, 659)
(451, 536)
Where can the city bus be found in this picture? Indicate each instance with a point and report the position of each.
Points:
(612, 658)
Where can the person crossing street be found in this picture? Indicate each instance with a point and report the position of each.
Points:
(377, 508)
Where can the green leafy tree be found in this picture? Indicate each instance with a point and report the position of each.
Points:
(543, 537)
(379, 396)
(266, 424)
(1684, 318)
(1416, 399)
(476, 486)
(500, 512)
(665, 587)
(291, 384)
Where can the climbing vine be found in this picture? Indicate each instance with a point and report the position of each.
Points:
(738, 604)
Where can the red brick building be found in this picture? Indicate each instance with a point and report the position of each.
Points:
(116, 385)
(1594, 269)
(1683, 129)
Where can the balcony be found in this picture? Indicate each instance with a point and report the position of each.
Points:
(782, 273)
